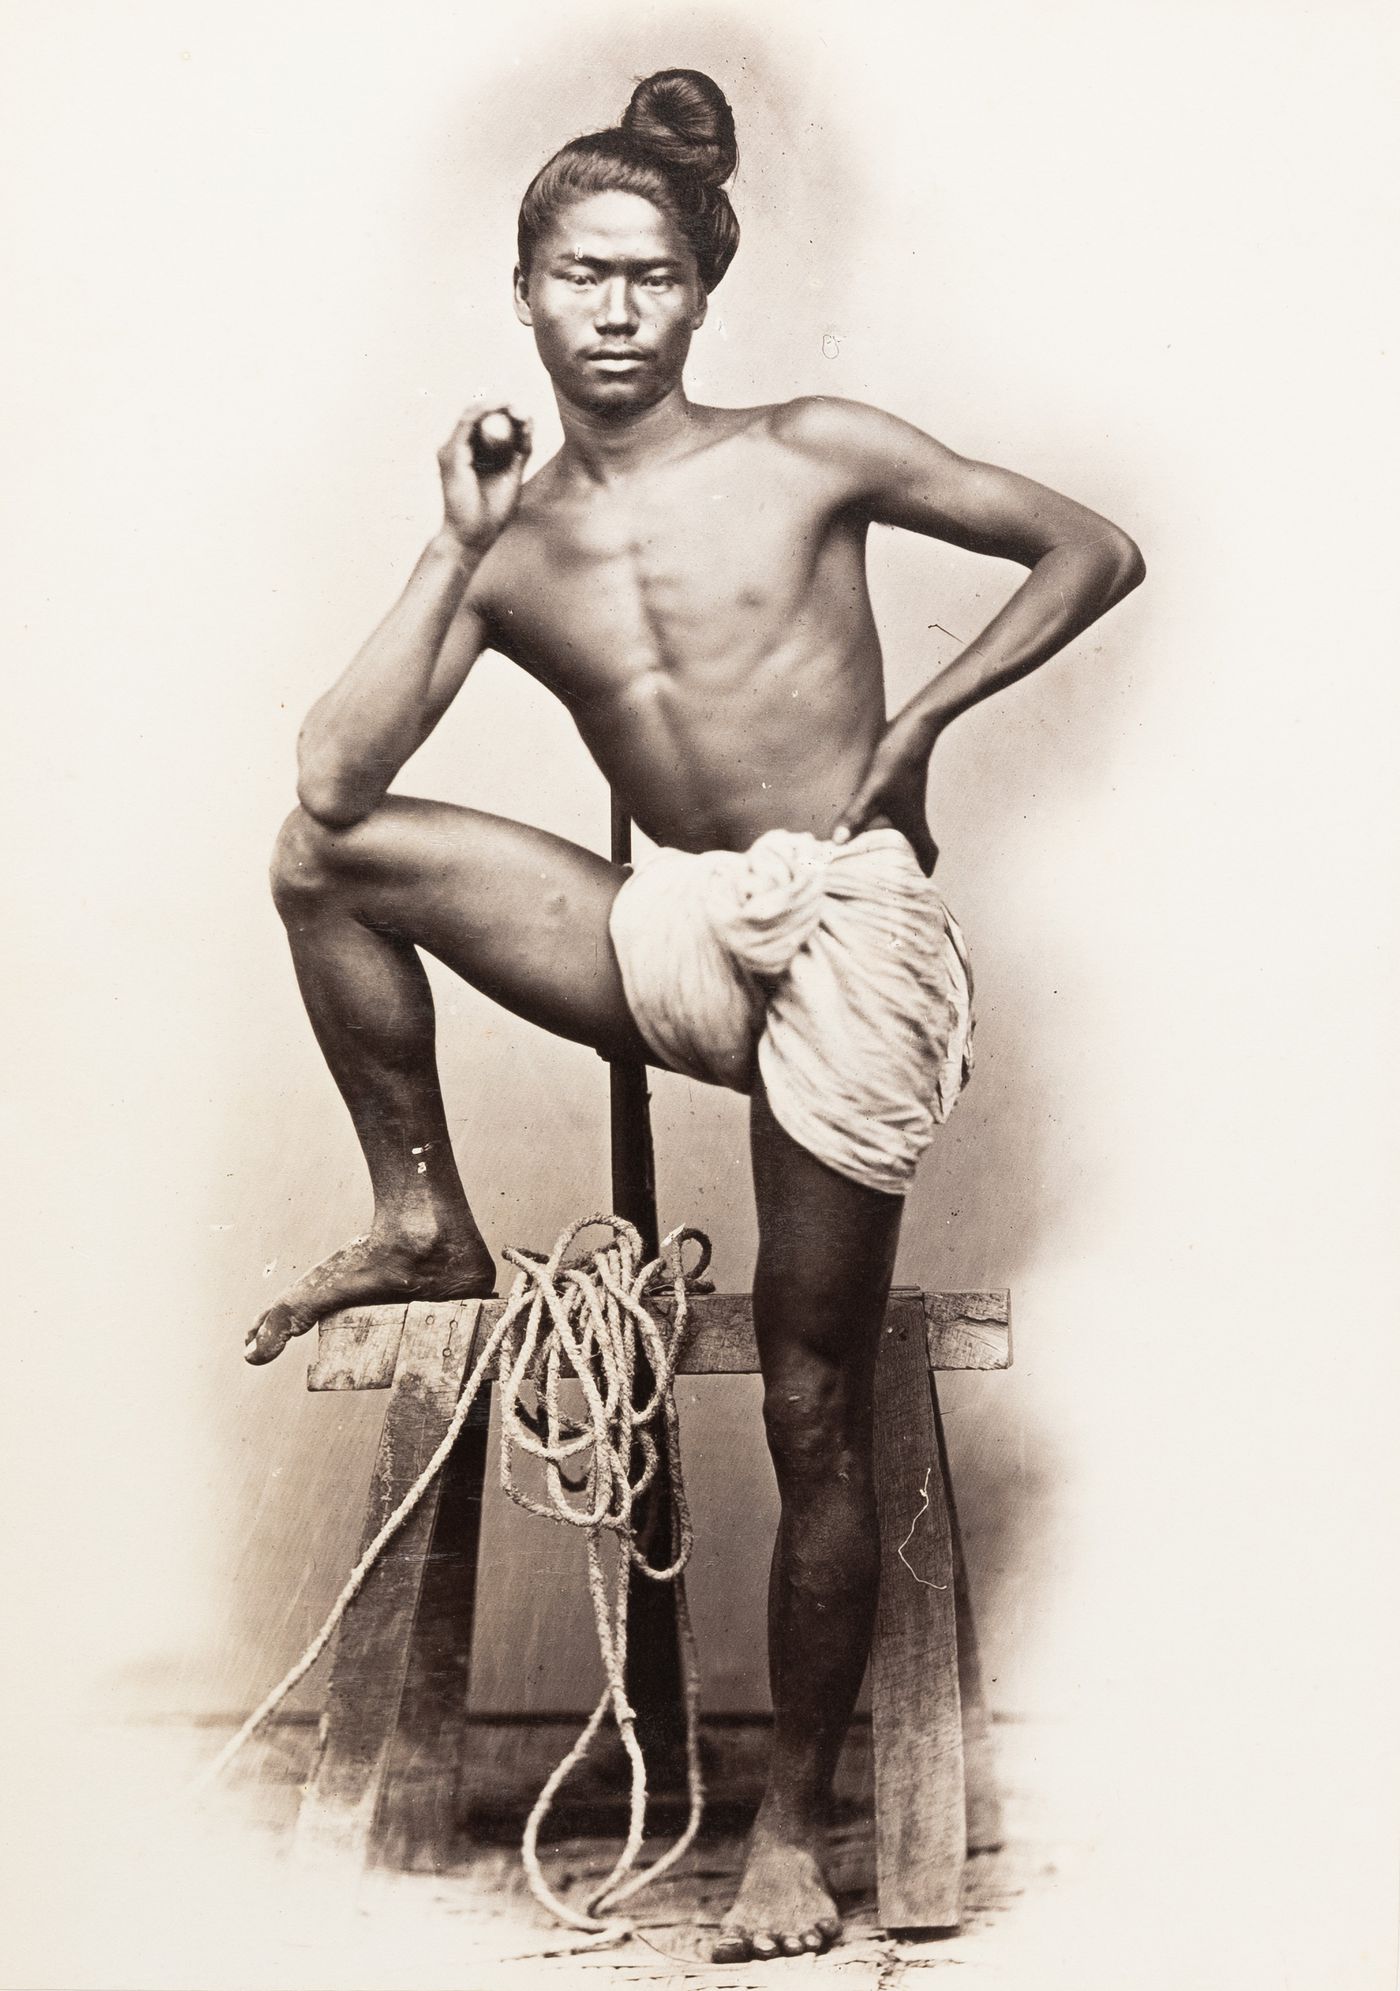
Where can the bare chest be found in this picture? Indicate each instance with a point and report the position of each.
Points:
(692, 575)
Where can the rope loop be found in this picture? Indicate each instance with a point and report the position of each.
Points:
(580, 1323)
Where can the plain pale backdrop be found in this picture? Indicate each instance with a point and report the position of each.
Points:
(261, 257)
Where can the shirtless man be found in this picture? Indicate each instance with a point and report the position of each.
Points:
(690, 581)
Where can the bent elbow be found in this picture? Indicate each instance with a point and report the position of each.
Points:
(327, 796)
(328, 806)
(1129, 567)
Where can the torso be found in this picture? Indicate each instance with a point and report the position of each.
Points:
(707, 623)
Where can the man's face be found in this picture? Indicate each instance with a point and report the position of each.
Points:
(613, 296)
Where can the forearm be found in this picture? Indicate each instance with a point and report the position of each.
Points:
(357, 737)
(1069, 588)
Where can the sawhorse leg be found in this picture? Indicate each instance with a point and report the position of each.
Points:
(984, 1822)
(384, 1784)
(934, 1795)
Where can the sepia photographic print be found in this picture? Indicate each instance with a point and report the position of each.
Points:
(704, 920)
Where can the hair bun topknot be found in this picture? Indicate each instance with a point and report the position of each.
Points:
(674, 147)
(683, 120)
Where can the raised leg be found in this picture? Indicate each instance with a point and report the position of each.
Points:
(826, 1256)
(522, 916)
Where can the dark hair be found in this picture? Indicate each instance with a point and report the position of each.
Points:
(674, 146)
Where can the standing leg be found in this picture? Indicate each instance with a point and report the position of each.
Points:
(522, 916)
(825, 1261)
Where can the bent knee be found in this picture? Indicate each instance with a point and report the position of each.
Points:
(308, 859)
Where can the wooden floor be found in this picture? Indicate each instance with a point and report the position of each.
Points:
(478, 1925)
(119, 1880)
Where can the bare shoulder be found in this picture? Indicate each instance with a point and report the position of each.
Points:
(867, 445)
(901, 476)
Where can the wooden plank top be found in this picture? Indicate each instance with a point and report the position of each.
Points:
(357, 1349)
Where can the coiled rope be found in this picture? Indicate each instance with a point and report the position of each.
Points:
(580, 1323)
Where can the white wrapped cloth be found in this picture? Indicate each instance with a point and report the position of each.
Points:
(833, 971)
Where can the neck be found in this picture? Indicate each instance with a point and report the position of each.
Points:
(604, 445)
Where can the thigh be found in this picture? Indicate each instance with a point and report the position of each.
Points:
(518, 913)
(826, 1252)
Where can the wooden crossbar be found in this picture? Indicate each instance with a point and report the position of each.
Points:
(357, 1350)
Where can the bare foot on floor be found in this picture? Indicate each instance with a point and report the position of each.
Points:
(380, 1268)
(783, 1907)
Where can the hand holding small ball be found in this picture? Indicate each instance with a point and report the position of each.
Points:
(497, 438)
(482, 464)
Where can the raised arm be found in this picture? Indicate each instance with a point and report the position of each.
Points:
(357, 737)
(1080, 565)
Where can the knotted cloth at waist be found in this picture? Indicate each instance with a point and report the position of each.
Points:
(833, 972)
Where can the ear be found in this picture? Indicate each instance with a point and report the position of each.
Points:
(522, 296)
(698, 315)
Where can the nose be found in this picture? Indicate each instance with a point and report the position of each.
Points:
(617, 307)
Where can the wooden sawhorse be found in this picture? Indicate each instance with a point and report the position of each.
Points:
(394, 1730)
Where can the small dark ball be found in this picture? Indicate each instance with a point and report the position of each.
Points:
(496, 440)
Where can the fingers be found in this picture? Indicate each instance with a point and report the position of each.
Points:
(476, 411)
(500, 442)
(857, 817)
(853, 817)
(465, 423)
(884, 799)
(493, 445)
(480, 419)
(482, 465)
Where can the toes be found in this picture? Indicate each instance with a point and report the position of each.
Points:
(258, 1347)
(268, 1338)
(732, 1946)
(761, 1945)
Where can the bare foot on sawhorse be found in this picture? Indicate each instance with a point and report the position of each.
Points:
(378, 1269)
